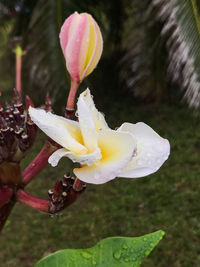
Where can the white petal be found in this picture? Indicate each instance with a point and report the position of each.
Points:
(63, 131)
(98, 117)
(86, 124)
(116, 149)
(152, 150)
(88, 159)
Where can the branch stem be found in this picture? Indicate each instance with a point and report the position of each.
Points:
(19, 53)
(5, 195)
(5, 212)
(32, 201)
(72, 95)
(45, 205)
(38, 163)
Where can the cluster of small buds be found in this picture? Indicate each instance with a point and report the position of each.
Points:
(17, 131)
(58, 195)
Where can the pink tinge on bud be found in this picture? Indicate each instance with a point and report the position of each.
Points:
(82, 44)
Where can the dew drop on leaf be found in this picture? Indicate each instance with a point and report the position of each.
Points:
(147, 252)
(117, 254)
(124, 246)
(94, 263)
(86, 254)
(152, 245)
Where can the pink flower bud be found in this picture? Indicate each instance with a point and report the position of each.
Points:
(81, 43)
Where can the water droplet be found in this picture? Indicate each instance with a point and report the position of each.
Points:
(147, 252)
(158, 160)
(148, 155)
(139, 162)
(86, 254)
(124, 246)
(94, 263)
(149, 162)
(152, 245)
(117, 254)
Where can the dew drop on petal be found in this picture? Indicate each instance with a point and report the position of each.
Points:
(140, 162)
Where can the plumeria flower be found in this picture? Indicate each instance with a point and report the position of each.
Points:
(132, 151)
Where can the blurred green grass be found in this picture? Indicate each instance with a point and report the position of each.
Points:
(167, 200)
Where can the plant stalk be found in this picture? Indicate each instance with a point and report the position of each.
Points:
(72, 95)
(19, 53)
(5, 205)
(45, 205)
(5, 195)
(5, 212)
(38, 163)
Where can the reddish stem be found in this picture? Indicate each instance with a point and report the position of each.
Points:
(38, 163)
(45, 205)
(72, 95)
(32, 201)
(5, 195)
(5, 212)
(18, 52)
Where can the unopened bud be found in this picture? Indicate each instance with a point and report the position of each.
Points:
(28, 102)
(81, 43)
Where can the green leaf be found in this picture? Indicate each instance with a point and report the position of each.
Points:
(112, 251)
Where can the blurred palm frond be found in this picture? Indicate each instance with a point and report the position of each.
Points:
(44, 62)
(166, 40)
(181, 26)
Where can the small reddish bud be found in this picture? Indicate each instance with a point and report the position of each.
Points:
(28, 102)
(31, 130)
(16, 95)
(24, 142)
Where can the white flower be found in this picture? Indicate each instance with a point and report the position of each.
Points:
(133, 151)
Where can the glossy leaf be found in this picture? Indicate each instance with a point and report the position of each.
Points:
(109, 252)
